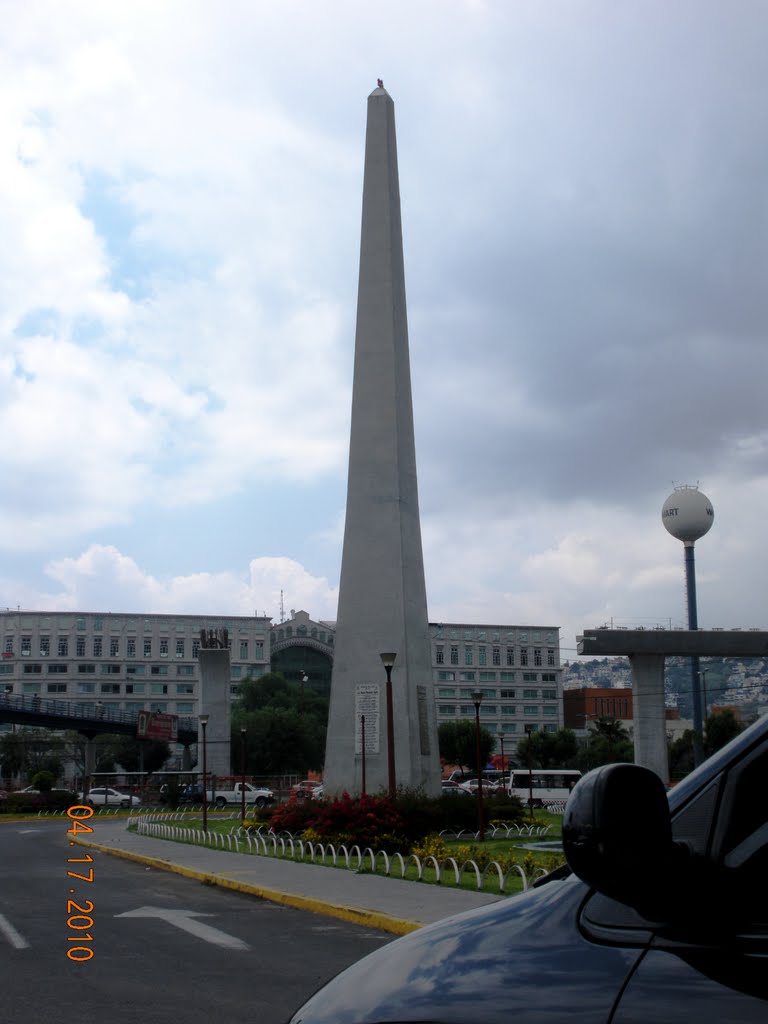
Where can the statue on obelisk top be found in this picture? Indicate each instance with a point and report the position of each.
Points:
(382, 614)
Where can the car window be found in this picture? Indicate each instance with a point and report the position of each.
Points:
(744, 842)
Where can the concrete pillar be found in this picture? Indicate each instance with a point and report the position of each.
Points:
(382, 594)
(215, 702)
(650, 730)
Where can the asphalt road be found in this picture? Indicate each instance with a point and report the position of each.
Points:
(165, 948)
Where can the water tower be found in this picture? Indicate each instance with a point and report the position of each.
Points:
(688, 514)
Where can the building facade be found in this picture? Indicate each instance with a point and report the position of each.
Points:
(149, 662)
(130, 662)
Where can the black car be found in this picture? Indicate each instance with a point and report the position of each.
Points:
(662, 915)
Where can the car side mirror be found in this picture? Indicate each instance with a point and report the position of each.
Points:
(617, 836)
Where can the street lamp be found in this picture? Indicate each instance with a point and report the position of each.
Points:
(203, 719)
(477, 700)
(388, 660)
(242, 772)
(703, 677)
(500, 737)
(529, 729)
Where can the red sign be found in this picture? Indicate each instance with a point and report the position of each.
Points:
(154, 725)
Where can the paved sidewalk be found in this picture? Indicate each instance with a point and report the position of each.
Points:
(389, 904)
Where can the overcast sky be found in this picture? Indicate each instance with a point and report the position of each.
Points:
(585, 218)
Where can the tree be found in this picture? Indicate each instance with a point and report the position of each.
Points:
(608, 743)
(719, 729)
(458, 743)
(31, 750)
(549, 749)
(285, 727)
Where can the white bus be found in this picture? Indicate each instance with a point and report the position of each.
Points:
(542, 785)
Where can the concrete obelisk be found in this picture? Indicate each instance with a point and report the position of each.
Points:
(382, 595)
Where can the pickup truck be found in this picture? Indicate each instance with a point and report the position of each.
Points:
(233, 794)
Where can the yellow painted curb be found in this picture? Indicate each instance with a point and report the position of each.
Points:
(369, 918)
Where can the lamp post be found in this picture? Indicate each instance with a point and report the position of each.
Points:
(477, 700)
(500, 737)
(203, 719)
(242, 773)
(528, 732)
(703, 675)
(388, 660)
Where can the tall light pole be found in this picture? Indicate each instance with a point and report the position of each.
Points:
(203, 719)
(528, 732)
(388, 660)
(703, 676)
(500, 737)
(688, 514)
(477, 700)
(242, 772)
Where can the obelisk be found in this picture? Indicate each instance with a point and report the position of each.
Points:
(382, 594)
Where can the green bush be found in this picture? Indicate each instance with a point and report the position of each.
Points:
(31, 803)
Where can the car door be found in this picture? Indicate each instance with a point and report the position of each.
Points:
(716, 970)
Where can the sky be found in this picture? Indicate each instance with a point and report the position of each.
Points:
(585, 219)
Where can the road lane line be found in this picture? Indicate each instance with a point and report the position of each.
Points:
(16, 940)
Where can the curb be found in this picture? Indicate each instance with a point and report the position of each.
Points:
(355, 915)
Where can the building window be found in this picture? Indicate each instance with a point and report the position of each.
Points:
(550, 727)
(86, 669)
(86, 687)
(135, 670)
(62, 648)
(185, 670)
(33, 669)
(109, 670)
(185, 688)
(259, 653)
(507, 677)
(130, 647)
(531, 726)
(56, 668)
(536, 655)
(550, 709)
(510, 655)
(159, 670)
(487, 677)
(135, 687)
(446, 691)
(163, 646)
(548, 677)
(56, 688)
(551, 657)
(509, 727)
(80, 624)
(481, 656)
(508, 694)
(530, 694)
(467, 677)
(467, 655)
(488, 709)
(549, 694)
(446, 709)
(186, 708)
(97, 645)
(244, 650)
(80, 647)
(467, 710)
(147, 646)
(6, 670)
(26, 646)
(530, 709)
(45, 646)
(195, 648)
(98, 624)
(529, 677)
(31, 687)
(179, 647)
(110, 688)
(508, 709)
(523, 655)
(158, 688)
(496, 655)
(8, 645)
(446, 677)
(439, 655)
(114, 646)
(158, 706)
(454, 655)
(235, 671)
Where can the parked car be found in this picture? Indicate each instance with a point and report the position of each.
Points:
(454, 789)
(661, 914)
(105, 796)
(309, 789)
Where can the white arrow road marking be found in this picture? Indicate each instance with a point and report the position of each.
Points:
(184, 919)
(16, 940)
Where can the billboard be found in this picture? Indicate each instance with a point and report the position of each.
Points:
(155, 725)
